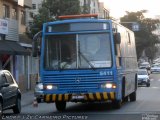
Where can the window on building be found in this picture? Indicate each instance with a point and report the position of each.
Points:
(94, 4)
(39, 6)
(94, 11)
(33, 6)
(6, 11)
(31, 14)
(23, 18)
(30, 23)
(14, 13)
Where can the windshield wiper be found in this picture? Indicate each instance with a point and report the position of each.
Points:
(87, 60)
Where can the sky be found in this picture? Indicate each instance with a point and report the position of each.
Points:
(118, 7)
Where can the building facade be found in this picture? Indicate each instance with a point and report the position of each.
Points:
(14, 56)
(103, 12)
(87, 7)
(36, 4)
(94, 7)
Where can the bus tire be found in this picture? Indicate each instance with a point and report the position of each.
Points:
(132, 96)
(60, 105)
(148, 84)
(117, 104)
(124, 98)
(136, 82)
(39, 100)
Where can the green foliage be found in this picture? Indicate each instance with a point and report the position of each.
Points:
(145, 39)
(51, 9)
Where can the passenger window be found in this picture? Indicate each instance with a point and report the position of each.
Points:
(9, 78)
(3, 80)
(129, 38)
(118, 56)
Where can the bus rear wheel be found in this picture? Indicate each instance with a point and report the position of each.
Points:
(60, 105)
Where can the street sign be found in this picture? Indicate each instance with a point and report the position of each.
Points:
(135, 26)
(3, 26)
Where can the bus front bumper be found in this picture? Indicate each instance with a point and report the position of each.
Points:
(104, 96)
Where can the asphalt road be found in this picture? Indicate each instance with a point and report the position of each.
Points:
(147, 107)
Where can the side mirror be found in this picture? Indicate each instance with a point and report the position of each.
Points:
(5, 85)
(36, 43)
(35, 48)
(117, 38)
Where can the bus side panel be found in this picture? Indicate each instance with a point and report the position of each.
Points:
(129, 59)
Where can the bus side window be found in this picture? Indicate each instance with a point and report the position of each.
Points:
(118, 55)
(129, 38)
(117, 39)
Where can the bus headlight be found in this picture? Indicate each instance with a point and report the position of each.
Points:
(50, 87)
(108, 85)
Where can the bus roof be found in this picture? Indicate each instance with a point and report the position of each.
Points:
(78, 20)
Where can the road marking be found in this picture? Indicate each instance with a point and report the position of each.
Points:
(150, 87)
(151, 79)
(155, 87)
(155, 80)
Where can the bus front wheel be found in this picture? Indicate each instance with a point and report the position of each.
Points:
(60, 105)
(132, 96)
(117, 104)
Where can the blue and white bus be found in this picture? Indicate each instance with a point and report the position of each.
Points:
(87, 60)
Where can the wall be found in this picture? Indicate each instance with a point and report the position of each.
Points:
(22, 28)
(27, 3)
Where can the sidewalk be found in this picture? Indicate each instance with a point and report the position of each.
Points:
(27, 98)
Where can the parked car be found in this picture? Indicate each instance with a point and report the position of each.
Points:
(10, 94)
(38, 93)
(145, 65)
(143, 77)
(155, 68)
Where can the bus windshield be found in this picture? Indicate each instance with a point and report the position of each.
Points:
(77, 51)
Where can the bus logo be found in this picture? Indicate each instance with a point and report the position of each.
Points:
(77, 80)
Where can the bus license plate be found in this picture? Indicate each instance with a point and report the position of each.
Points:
(78, 97)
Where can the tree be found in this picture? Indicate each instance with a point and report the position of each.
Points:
(51, 9)
(86, 7)
(145, 39)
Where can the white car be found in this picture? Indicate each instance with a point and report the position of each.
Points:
(155, 68)
(143, 77)
(145, 65)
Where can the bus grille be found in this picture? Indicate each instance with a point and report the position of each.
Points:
(76, 82)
